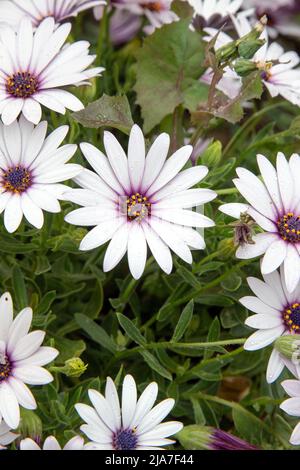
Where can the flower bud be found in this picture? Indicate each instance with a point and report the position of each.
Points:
(195, 437)
(244, 67)
(73, 367)
(30, 426)
(289, 346)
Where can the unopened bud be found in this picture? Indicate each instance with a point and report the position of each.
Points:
(244, 67)
(30, 426)
(74, 367)
(289, 346)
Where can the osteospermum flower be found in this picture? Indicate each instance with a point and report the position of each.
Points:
(292, 406)
(277, 312)
(21, 361)
(13, 11)
(157, 12)
(134, 425)
(6, 436)
(274, 203)
(140, 200)
(35, 66)
(30, 168)
(213, 12)
(51, 443)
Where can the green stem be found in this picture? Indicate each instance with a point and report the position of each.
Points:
(250, 123)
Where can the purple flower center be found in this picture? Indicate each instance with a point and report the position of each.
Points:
(291, 317)
(22, 84)
(125, 439)
(138, 207)
(5, 367)
(289, 227)
(17, 179)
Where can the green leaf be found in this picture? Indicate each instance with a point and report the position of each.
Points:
(131, 330)
(19, 287)
(168, 69)
(155, 365)
(183, 322)
(108, 111)
(248, 426)
(68, 348)
(46, 302)
(96, 332)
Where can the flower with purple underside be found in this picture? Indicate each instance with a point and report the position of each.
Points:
(280, 14)
(140, 200)
(221, 440)
(123, 25)
(214, 13)
(21, 359)
(31, 169)
(132, 425)
(11, 12)
(277, 313)
(51, 443)
(157, 12)
(35, 67)
(274, 204)
(6, 436)
(292, 406)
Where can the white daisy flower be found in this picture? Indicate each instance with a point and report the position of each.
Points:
(31, 166)
(51, 443)
(140, 200)
(134, 425)
(292, 406)
(213, 12)
(21, 361)
(35, 66)
(6, 436)
(12, 11)
(274, 203)
(277, 312)
(279, 69)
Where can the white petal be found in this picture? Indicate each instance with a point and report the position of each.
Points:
(145, 403)
(33, 375)
(261, 243)
(9, 406)
(136, 157)
(31, 211)
(262, 338)
(6, 315)
(274, 256)
(263, 321)
(258, 306)
(23, 394)
(116, 248)
(291, 406)
(117, 159)
(28, 345)
(19, 328)
(291, 268)
(155, 160)
(13, 213)
(155, 416)
(159, 249)
(291, 387)
(136, 250)
(275, 366)
(265, 293)
(111, 396)
(129, 400)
